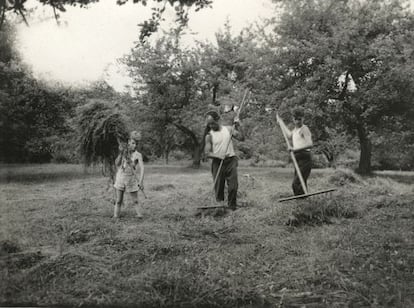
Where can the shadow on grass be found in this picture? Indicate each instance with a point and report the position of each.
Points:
(47, 173)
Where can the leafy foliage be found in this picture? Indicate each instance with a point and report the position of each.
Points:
(170, 99)
(365, 43)
(31, 113)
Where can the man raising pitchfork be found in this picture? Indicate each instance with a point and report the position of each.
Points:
(219, 147)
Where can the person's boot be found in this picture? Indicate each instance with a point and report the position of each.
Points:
(232, 207)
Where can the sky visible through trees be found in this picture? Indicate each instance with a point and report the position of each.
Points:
(86, 43)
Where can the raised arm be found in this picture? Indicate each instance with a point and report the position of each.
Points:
(238, 132)
(118, 159)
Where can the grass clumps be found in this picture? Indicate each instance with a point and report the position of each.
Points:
(343, 177)
(318, 211)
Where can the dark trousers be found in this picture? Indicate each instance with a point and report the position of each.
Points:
(228, 173)
(304, 159)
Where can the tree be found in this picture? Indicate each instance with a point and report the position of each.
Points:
(224, 66)
(317, 42)
(169, 93)
(31, 113)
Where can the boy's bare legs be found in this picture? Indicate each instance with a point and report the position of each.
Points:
(138, 209)
(118, 202)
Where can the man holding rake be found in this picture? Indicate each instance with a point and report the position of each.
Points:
(302, 143)
(219, 147)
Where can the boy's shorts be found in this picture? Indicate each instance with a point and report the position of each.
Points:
(124, 182)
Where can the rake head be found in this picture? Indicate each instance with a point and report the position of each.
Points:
(307, 195)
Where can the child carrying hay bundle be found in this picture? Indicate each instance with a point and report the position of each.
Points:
(101, 129)
(104, 138)
(126, 179)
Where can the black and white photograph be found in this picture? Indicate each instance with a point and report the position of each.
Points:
(207, 153)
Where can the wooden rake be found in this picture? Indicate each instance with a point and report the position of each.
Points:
(295, 164)
(215, 206)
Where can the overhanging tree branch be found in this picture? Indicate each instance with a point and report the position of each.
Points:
(187, 131)
(3, 12)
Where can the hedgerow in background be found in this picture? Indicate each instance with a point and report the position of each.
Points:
(102, 127)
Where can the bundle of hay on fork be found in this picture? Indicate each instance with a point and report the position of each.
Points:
(102, 129)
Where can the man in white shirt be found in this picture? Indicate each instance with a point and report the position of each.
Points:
(302, 143)
(219, 147)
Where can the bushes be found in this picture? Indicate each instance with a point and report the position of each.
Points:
(64, 149)
(178, 155)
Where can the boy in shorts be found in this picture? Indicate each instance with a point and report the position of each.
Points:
(129, 163)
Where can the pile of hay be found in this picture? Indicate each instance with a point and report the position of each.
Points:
(101, 129)
(345, 176)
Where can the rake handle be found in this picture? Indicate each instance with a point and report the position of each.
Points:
(295, 163)
(143, 192)
(292, 155)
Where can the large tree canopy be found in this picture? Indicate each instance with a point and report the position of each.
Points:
(369, 42)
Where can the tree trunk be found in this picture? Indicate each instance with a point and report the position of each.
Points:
(197, 157)
(215, 89)
(196, 145)
(366, 150)
(166, 156)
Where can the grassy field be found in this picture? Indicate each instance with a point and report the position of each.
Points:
(351, 248)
